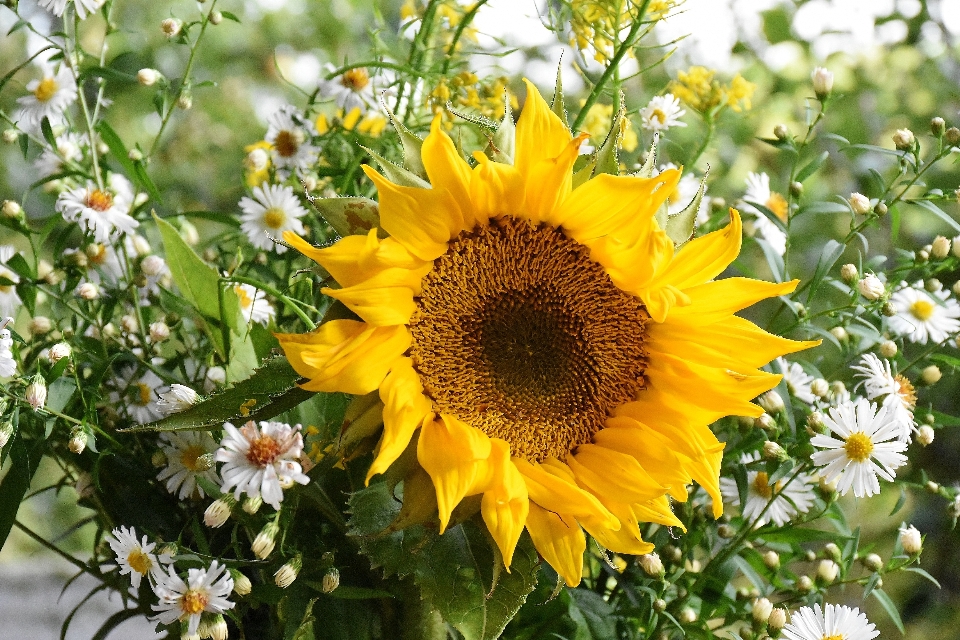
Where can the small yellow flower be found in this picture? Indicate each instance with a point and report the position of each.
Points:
(698, 87)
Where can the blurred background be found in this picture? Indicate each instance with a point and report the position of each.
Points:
(896, 62)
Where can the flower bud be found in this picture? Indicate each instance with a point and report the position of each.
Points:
(848, 273)
(286, 574)
(804, 583)
(925, 435)
(819, 387)
(216, 377)
(831, 550)
(903, 139)
(11, 209)
(687, 615)
(135, 155)
(78, 440)
(888, 309)
(822, 82)
(331, 580)
(771, 559)
(872, 562)
(265, 541)
(923, 256)
(827, 571)
(726, 532)
(771, 402)
(88, 291)
(171, 27)
(659, 605)
(217, 514)
(58, 352)
(952, 135)
(880, 209)
(159, 331)
(185, 101)
(40, 325)
(252, 504)
(773, 451)
(910, 540)
(761, 610)
(159, 459)
(215, 18)
(218, 628)
(777, 620)
(871, 287)
(148, 77)
(932, 487)
(652, 565)
(931, 375)
(937, 125)
(888, 348)
(940, 248)
(815, 421)
(10, 136)
(241, 583)
(36, 393)
(860, 203)
(191, 236)
(781, 132)
(153, 265)
(796, 189)
(839, 333)
(766, 422)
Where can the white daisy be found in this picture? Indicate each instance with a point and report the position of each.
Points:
(661, 113)
(289, 135)
(798, 381)
(185, 451)
(351, 90)
(272, 210)
(864, 450)
(135, 558)
(49, 97)
(9, 300)
(178, 398)
(8, 366)
(68, 150)
(138, 394)
(82, 7)
(261, 461)
(104, 213)
(758, 191)
(894, 391)
(186, 601)
(839, 622)
(793, 499)
(924, 317)
(254, 304)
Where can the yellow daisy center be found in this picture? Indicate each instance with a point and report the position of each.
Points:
(6, 288)
(139, 561)
(97, 254)
(519, 334)
(355, 79)
(836, 636)
(761, 485)
(45, 90)
(194, 602)
(144, 393)
(922, 309)
(287, 143)
(659, 116)
(778, 205)
(245, 300)
(263, 451)
(908, 395)
(190, 457)
(99, 200)
(858, 447)
(274, 217)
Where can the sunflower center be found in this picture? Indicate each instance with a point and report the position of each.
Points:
(274, 217)
(263, 451)
(139, 561)
(519, 334)
(191, 458)
(194, 602)
(287, 143)
(355, 79)
(45, 90)
(778, 205)
(858, 447)
(908, 395)
(922, 310)
(99, 200)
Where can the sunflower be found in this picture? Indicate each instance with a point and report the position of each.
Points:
(543, 346)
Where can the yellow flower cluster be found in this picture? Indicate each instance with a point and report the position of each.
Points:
(595, 24)
(449, 14)
(370, 123)
(466, 90)
(701, 91)
(597, 124)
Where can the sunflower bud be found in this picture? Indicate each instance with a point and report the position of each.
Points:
(286, 574)
(219, 511)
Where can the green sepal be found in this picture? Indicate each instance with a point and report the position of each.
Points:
(649, 168)
(412, 146)
(503, 145)
(349, 215)
(607, 161)
(680, 226)
(397, 174)
(557, 106)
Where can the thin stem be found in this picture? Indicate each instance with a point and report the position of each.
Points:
(88, 119)
(464, 22)
(288, 302)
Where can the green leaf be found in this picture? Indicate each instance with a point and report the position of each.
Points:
(270, 391)
(774, 259)
(831, 252)
(47, 132)
(680, 227)
(607, 161)
(823, 207)
(230, 16)
(594, 612)
(792, 535)
(221, 217)
(937, 211)
(348, 215)
(412, 146)
(397, 174)
(950, 361)
(505, 137)
(648, 170)
(557, 105)
(812, 167)
(23, 464)
(923, 573)
(889, 607)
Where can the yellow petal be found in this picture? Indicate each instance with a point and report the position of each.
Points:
(446, 169)
(720, 299)
(634, 266)
(422, 220)
(345, 355)
(505, 505)
(357, 258)
(560, 540)
(620, 541)
(613, 475)
(658, 511)
(554, 493)
(649, 448)
(551, 181)
(454, 454)
(496, 189)
(541, 135)
(404, 409)
(704, 258)
(384, 299)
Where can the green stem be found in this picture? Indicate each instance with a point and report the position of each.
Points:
(88, 119)
(710, 120)
(464, 22)
(288, 302)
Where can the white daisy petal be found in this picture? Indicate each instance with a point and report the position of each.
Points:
(272, 210)
(256, 457)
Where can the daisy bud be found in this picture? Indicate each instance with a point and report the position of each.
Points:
(58, 352)
(777, 620)
(88, 290)
(726, 532)
(771, 559)
(78, 441)
(937, 125)
(6, 432)
(185, 101)
(827, 571)
(652, 565)
(781, 132)
(923, 256)
(135, 155)
(815, 421)
(129, 324)
(10, 136)
(880, 209)
(903, 139)
(159, 459)
(952, 135)
(40, 325)
(148, 77)
(265, 541)
(873, 562)
(910, 540)
(109, 330)
(888, 309)
(286, 574)
(331, 580)
(219, 511)
(252, 504)
(888, 348)
(932, 487)
(215, 18)
(36, 393)
(766, 422)
(159, 331)
(839, 333)
(659, 605)
(171, 27)
(152, 265)
(178, 398)
(688, 615)
(761, 610)
(932, 285)
(929, 418)
(822, 82)
(925, 435)
(796, 189)
(11, 209)
(931, 375)
(804, 583)
(809, 555)
(257, 159)
(871, 287)
(848, 273)
(773, 451)
(831, 550)
(216, 377)
(241, 583)
(819, 387)
(860, 203)
(940, 248)
(771, 402)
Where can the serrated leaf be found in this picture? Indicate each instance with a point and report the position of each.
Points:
(607, 161)
(349, 215)
(649, 168)
(412, 145)
(397, 174)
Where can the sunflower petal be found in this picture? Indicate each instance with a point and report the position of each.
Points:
(612, 474)
(557, 494)
(541, 135)
(560, 540)
(553, 179)
(355, 259)
(446, 168)
(454, 454)
(404, 410)
(621, 541)
(384, 299)
(649, 448)
(496, 189)
(704, 258)
(345, 355)
(718, 300)
(658, 511)
(505, 505)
